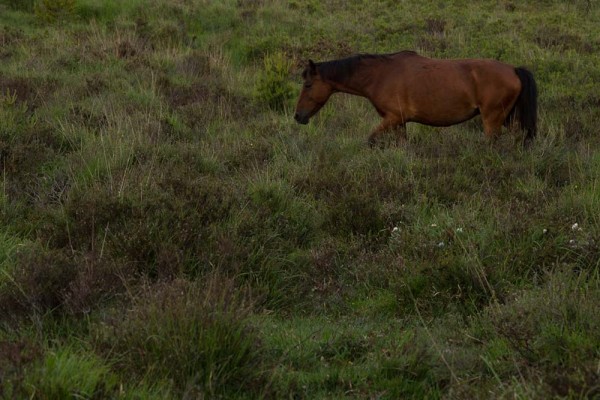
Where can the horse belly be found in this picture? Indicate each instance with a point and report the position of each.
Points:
(442, 96)
(445, 111)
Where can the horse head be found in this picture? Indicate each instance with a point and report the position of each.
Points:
(315, 93)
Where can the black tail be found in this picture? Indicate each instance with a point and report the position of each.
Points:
(525, 109)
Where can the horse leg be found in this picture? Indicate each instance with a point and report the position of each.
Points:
(492, 123)
(401, 134)
(385, 125)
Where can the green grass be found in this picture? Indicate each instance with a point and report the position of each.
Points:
(168, 231)
(67, 374)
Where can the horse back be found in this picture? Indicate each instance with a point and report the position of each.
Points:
(443, 92)
(475, 76)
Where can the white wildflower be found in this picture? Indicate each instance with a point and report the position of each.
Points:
(575, 227)
(459, 230)
(441, 244)
(545, 231)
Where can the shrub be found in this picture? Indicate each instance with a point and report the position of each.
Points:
(274, 87)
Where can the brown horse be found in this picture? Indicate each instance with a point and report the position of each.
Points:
(406, 87)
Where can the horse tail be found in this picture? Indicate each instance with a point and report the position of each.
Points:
(525, 109)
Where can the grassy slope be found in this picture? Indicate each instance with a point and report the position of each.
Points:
(168, 231)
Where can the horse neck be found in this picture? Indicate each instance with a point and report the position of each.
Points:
(357, 85)
(354, 89)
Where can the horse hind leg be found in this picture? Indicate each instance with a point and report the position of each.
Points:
(492, 130)
(493, 120)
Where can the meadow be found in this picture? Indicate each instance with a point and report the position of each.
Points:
(168, 231)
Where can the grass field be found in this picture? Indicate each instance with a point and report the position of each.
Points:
(168, 231)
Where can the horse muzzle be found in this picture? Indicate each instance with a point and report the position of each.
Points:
(301, 119)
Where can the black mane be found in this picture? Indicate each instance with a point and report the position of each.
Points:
(342, 70)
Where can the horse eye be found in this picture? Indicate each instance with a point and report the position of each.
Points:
(307, 85)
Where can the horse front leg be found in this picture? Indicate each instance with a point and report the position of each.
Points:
(401, 138)
(388, 125)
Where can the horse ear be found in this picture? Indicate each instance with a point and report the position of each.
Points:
(312, 67)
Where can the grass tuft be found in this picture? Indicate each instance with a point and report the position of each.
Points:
(194, 335)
